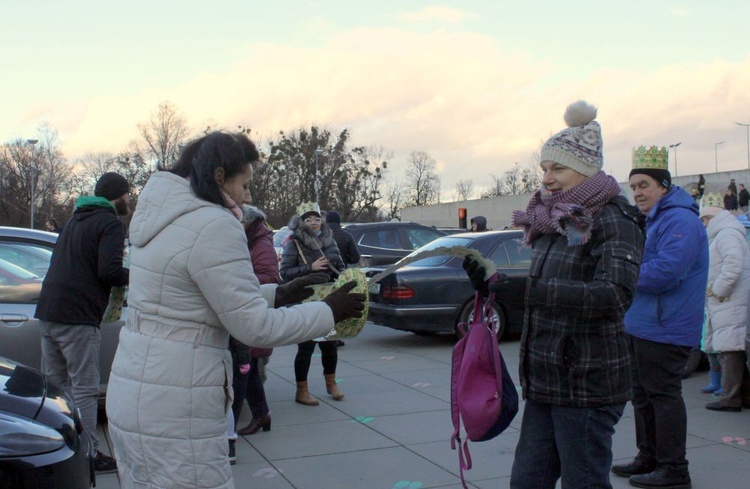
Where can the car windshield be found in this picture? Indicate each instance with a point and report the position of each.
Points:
(444, 242)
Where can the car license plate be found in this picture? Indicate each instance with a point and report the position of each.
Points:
(374, 288)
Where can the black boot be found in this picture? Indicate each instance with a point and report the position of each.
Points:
(665, 477)
(639, 465)
(720, 406)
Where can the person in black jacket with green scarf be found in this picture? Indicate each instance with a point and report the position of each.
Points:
(85, 265)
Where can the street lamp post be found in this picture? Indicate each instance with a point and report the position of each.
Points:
(747, 130)
(716, 154)
(675, 155)
(317, 153)
(32, 142)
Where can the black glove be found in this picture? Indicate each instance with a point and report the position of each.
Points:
(297, 290)
(476, 273)
(510, 290)
(345, 305)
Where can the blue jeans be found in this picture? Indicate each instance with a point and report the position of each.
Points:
(574, 443)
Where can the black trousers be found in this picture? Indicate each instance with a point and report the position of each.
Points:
(660, 415)
(329, 358)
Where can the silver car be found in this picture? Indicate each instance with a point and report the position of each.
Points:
(24, 259)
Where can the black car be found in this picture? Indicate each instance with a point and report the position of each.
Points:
(434, 294)
(449, 231)
(383, 243)
(41, 435)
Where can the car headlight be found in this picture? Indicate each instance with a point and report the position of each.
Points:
(22, 437)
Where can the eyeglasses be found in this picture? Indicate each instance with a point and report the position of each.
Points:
(313, 220)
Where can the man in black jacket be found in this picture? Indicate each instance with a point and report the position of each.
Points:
(86, 264)
(344, 240)
(744, 198)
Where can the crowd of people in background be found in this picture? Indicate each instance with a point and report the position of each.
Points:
(616, 301)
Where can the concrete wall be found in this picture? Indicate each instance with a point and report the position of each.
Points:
(498, 210)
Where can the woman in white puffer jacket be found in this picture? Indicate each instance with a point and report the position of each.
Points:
(728, 304)
(191, 285)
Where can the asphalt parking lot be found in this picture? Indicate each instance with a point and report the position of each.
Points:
(392, 431)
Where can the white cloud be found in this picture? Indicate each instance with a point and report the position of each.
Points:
(474, 106)
(435, 14)
(679, 12)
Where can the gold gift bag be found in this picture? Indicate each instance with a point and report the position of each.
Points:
(348, 328)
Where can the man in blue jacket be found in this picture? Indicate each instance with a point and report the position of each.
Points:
(664, 321)
(86, 264)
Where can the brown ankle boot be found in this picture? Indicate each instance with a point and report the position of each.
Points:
(333, 388)
(303, 395)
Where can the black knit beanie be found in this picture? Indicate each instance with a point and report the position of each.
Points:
(333, 216)
(662, 177)
(111, 186)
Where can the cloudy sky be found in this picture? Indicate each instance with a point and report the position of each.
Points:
(478, 84)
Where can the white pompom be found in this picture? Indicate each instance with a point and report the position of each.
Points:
(579, 114)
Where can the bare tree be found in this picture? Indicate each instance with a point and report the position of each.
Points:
(516, 181)
(531, 176)
(91, 166)
(495, 189)
(163, 134)
(33, 175)
(513, 181)
(395, 192)
(422, 183)
(464, 189)
(370, 166)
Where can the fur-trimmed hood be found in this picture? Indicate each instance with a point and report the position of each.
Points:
(307, 238)
(251, 213)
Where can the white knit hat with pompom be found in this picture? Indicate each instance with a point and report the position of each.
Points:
(578, 147)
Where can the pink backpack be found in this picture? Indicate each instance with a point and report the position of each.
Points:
(483, 395)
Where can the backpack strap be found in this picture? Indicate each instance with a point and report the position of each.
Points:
(301, 253)
(464, 461)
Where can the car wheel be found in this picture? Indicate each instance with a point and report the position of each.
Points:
(467, 315)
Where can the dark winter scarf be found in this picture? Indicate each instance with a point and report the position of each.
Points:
(569, 213)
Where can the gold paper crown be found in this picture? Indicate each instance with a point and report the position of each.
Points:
(653, 157)
(306, 207)
(712, 200)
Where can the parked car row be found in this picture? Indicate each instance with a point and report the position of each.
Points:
(383, 243)
(25, 256)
